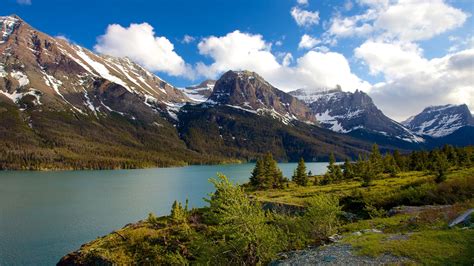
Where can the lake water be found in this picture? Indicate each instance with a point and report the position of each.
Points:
(45, 215)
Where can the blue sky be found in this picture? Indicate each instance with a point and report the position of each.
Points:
(271, 23)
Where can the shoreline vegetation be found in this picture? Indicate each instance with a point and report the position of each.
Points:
(124, 167)
(357, 206)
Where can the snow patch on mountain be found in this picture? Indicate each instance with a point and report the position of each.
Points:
(3, 73)
(440, 121)
(20, 77)
(101, 69)
(7, 26)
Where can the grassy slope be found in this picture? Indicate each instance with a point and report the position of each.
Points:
(380, 190)
(423, 237)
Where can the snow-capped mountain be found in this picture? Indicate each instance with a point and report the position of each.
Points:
(248, 91)
(440, 121)
(39, 71)
(347, 112)
(200, 92)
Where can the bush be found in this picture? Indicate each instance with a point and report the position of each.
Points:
(321, 217)
(242, 236)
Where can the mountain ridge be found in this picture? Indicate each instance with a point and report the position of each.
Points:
(64, 107)
(440, 121)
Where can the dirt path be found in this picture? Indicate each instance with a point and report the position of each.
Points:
(336, 254)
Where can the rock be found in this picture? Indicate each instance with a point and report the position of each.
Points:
(335, 238)
(416, 209)
(358, 233)
(365, 231)
(329, 258)
(463, 218)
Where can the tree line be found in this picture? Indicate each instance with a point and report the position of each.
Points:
(267, 175)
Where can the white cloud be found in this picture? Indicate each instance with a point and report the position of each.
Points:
(24, 2)
(413, 82)
(237, 51)
(328, 69)
(405, 20)
(351, 26)
(304, 18)
(422, 19)
(188, 39)
(392, 29)
(302, 2)
(244, 51)
(394, 60)
(308, 42)
(139, 43)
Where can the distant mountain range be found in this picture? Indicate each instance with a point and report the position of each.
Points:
(63, 106)
(440, 121)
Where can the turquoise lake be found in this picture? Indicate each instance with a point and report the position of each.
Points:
(45, 215)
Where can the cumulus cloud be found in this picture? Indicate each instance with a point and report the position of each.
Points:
(308, 42)
(236, 50)
(139, 43)
(244, 51)
(304, 18)
(421, 20)
(412, 81)
(393, 30)
(302, 2)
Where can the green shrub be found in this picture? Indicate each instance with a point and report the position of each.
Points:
(321, 216)
(243, 236)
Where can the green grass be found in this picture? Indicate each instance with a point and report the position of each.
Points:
(386, 191)
(428, 247)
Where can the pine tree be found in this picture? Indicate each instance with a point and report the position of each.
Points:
(390, 166)
(258, 179)
(348, 171)
(376, 160)
(300, 177)
(441, 166)
(178, 213)
(334, 172)
(266, 174)
(399, 160)
(272, 172)
(368, 174)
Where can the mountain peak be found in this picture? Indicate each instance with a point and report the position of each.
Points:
(440, 120)
(200, 92)
(249, 91)
(346, 112)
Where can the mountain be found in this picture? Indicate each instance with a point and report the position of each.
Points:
(62, 106)
(65, 107)
(355, 114)
(440, 121)
(248, 91)
(201, 92)
(41, 70)
(246, 116)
